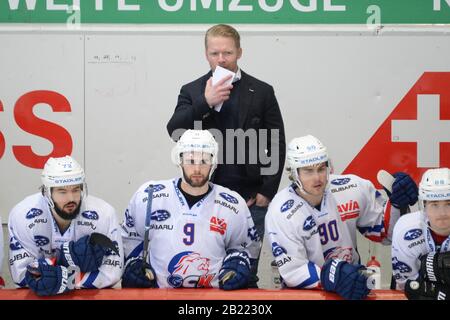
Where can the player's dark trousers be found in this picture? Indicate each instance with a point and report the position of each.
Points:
(258, 215)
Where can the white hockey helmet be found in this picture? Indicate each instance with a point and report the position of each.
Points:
(304, 152)
(196, 141)
(61, 172)
(434, 186)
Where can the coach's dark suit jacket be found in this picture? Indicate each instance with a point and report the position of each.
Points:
(258, 109)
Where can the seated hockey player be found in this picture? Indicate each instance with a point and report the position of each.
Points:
(312, 223)
(61, 238)
(190, 232)
(421, 242)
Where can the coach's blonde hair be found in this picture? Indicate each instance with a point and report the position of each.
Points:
(223, 30)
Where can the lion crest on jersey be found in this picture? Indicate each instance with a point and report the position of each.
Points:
(189, 269)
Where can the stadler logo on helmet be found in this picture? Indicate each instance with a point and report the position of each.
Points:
(414, 137)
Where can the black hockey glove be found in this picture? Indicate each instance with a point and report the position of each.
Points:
(426, 290)
(136, 275)
(435, 267)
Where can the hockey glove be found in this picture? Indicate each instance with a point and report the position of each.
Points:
(45, 279)
(345, 279)
(82, 253)
(426, 290)
(138, 276)
(404, 191)
(435, 267)
(235, 271)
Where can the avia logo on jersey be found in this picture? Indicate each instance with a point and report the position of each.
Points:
(253, 234)
(412, 234)
(91, 215)
(229, 197)
(129, 221)
(349, 210)
(14, 244)
(217, 225)
(277, 250)
(400, 266)
(309, 223)
(340, 181)
(424, 107)
(33, 213)
(189, 269)
(41, 241)
(287, 205)
(160, 215)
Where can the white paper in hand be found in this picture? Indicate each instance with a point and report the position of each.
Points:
(218, 75)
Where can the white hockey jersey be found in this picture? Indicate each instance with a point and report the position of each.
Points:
(34, 234)
(302, 237)
(187, 245)
(412, 239)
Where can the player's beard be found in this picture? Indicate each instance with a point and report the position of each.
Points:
(68, 216)
(196, 184)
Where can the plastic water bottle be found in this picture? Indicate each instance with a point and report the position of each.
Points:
(276, 280)
(374, 277)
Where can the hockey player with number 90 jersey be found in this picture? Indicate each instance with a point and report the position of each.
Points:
(315, 219)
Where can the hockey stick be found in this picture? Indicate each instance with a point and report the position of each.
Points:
(387, 180)
(148, 216)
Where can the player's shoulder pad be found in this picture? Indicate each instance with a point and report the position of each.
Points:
(94, 204)
(283, 201)
(413, 220)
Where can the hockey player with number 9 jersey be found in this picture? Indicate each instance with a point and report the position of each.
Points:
(312, 223)
(200, 235)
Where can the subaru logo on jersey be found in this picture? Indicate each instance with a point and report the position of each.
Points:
(156, 188)
(229, 198)
(412, 234)
(277, 250)
(189, 269)
(91, 215)
(160, 215)
(253, 234)
(14, 244)
(340, 181)
(129, 221)
(33, 213)
(287, 205)
(309, 223)
(41, 241)
(400, 266)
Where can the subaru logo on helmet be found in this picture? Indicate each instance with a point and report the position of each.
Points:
(412, 234)
(91, 215)
(309, 223)
(229, 198)
(287, 205)
(340, 181)
(41, 241)
(160, 215)
(277, 250)
(33, 213)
